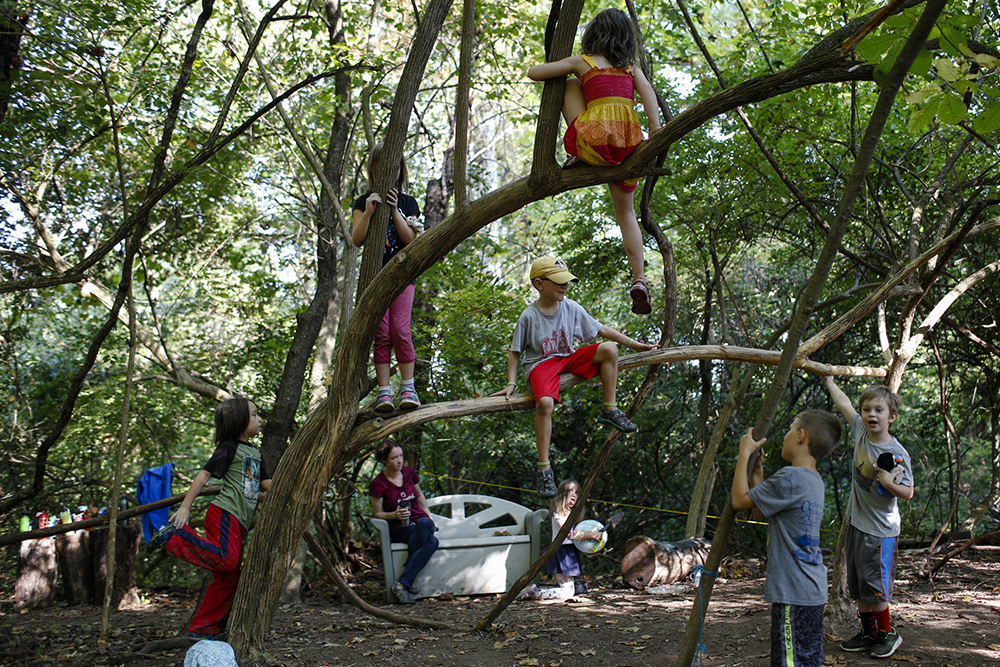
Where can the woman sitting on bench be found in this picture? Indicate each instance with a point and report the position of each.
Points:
(396, 496)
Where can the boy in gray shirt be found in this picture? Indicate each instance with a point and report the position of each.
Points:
(544, 343)
(792, 500)
(881, 473)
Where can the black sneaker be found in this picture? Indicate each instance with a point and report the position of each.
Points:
(545, 482)
(859, 642)
(161, 537)
(885, 643)
(617, 419)
(402, 594)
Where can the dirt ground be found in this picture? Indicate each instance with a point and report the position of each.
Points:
(954, 620)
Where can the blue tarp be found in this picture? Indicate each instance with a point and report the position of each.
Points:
(153, 486)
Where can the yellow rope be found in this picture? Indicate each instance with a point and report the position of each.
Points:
(591, 500)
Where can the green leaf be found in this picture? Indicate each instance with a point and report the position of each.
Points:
(989, 120)
(922, 94)
(873, 48)
(921, 64)
(922, 117)
(952, 109)
(986, 61)
(964, 20)
(899, 21)
(947, 70)
(963, 86)
(952, 41)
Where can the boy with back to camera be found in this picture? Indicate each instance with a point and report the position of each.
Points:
(543, 343)
(881, 474)
(792, 500)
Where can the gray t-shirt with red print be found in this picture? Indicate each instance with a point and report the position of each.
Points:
(872, 508)
(538, 336)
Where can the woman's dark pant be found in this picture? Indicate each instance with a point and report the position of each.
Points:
(421, 545)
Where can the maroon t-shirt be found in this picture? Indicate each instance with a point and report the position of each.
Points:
(391, 494)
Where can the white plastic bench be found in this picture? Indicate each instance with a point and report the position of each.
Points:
(486, 544)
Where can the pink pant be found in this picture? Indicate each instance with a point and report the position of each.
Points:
(394, 331)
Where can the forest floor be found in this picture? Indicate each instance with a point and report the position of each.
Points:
(954, 620)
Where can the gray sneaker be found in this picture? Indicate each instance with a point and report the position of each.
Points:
(859, 642)
(885, 643)
(545, 482)
(617, 419)
(402, 595)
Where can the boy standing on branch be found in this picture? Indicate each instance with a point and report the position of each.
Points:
(544, 345)
(881, 474)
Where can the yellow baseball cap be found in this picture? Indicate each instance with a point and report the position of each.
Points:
(552, 268)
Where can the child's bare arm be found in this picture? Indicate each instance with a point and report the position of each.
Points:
(741, 486)
(648, 97)
(570, 65)
(512, 360)
(839, 398)
(622, 339)
(888, 481)
(183, 513)
(360, 219)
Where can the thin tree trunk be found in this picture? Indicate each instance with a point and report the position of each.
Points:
(954, 455)
(462, 102)
(116, 482)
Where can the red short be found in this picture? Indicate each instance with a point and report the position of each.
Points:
(544, 378)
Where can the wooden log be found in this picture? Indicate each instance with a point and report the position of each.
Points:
(36, 578)
(73, 556)
(650, 563)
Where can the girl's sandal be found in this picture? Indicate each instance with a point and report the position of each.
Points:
(640, 298)
(573, 161)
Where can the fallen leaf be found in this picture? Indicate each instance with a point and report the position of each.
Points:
(588, 651)
(528, 662)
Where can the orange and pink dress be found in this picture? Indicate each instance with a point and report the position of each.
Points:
(608, 130)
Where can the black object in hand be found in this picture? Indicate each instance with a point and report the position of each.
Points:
(886, 461)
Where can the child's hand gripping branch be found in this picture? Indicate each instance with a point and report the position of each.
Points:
(741, 484)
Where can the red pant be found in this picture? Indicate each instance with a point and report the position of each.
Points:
(544, 378)
(218, 552)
